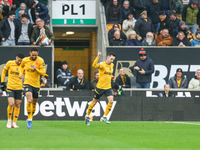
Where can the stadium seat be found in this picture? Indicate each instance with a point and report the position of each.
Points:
(194, 36)
(133, 82)
(179, 16)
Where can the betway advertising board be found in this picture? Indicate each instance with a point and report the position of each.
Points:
(74, 12)
(166, 61)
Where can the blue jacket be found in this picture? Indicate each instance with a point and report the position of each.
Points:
(133, 42)
(17, 12)
(195, 43)
(153, 12)
(148, 67)
(43, 11)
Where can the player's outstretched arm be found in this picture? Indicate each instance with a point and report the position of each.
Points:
(95, 65)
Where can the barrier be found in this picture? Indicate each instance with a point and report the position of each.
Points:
(137, 105)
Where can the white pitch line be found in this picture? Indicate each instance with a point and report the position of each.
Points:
(183, 123)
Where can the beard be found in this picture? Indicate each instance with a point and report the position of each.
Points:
(149, 40)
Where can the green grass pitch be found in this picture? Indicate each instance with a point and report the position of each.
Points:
(63, 135)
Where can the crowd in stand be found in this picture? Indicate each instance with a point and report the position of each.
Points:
(153, 22)
(24, 22)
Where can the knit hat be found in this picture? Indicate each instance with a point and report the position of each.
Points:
(142, 51)
(179, 70)
(181, 23)
(172, 13)
(64, 62)
(143, 12)
(198, 32)
(129, 14)
(161, 13)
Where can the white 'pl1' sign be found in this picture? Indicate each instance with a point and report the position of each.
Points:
(74, 12)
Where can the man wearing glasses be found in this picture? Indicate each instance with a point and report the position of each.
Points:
(144, 67)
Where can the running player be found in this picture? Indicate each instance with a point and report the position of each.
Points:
(103, 86)
(33, 66)
(14, 88)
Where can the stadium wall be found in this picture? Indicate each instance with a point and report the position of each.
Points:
(166, 61)
(137, 105)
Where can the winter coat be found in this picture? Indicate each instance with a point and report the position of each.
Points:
(124, 14)
(172, 26)
(63, 77)
(148, 67)
(111, 34)
(161, 41)
(43, 11)
(17, 12)
(36, 33)
(163, 24)
(117, 42)
(191, 16)
(127, 81)
(173, 82)
(113, 15)
(132, 42)
(127, 28)
(194, 83)
(83, 85)
(5, 28)
(153, 12)
(178, 7)
(171, 4)
(195, 43)
(93, 84)
(144, 43)
(142, 27)
(177, 41)
(140, 6)
(19, 29)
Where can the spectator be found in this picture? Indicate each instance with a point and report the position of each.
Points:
(195, 82)
(117, 40)
(16, 3)
(112, 31)
(196, 42)
(36, 32)
(4, 13)
(178, 80)
(7, 30)
(123, 79)
(181, 40)
(190, 37)
(133, 39)
(163, 21)
(113, 13)
(173, 25)
(42, 40)
(38, 10)
(166, 92)
(63, 75)
(129, 24)
(144, 67)
(191, 16)
(167, 5)
(79, 82)
(94, 82)
(149, 41)
(24, 31)
(183, 28)
(191, 1)
(4, 3)
(126, 9)
(140, 6)
(178, 8)
(44, 83)
(153, 9)
(143, 25)
(22, 7)
(19, 19)
(164, 39)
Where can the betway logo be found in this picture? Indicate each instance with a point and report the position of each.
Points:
(49, 108)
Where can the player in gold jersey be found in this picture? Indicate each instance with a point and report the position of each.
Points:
(33, 66)
(103, 86)
(14, 89)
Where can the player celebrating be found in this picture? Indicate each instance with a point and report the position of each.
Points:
(33, 66)
(103, 86)
(14, 88)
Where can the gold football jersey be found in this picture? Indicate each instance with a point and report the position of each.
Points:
(105, 74)
(32, 77)
(14, 83)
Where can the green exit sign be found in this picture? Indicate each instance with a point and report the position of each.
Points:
(74, 21)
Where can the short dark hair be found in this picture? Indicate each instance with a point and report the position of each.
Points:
(111, 54)
(195, 3)
(20, 55)
(24, 15)
(96, 72)
(31, 3)
(10, 13)
(34, 49)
